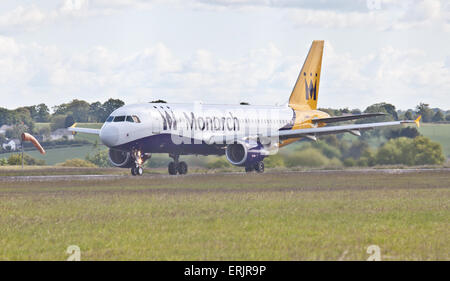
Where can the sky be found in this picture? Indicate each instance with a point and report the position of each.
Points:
(223, 51)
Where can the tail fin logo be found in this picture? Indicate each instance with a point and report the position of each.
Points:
(311, 90)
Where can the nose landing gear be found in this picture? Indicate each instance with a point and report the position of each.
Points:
(139, 159)
(177, 167)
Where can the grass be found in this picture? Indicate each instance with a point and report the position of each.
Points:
(59, 155)
(275, 216)
(439, 133)
(9, 171)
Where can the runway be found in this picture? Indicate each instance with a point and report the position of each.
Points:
(112, 177)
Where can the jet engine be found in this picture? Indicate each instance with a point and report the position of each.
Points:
(121, 159)
(244, 153)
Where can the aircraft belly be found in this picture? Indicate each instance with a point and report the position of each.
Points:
(162, 143)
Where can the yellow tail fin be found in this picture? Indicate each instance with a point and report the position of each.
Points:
(306, 90)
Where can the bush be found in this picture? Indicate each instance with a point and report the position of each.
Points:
(327, 149)
(218, 163)
(427, 152)
(417, 151)
(307, 158)
(3, 161)
(396, 151)
(334, 162)
(274, 161)
(16, 159)
(99, 159)
(77, 163)
(349, 162)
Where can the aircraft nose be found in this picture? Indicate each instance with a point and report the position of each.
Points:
(109, 135)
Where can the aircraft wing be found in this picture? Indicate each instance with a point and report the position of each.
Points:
(74, 130)
(345, 118)
(353, 129)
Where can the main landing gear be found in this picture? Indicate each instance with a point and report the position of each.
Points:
(258, 167)
(177, 167)
(139, 159)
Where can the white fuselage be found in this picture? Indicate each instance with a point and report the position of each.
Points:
(132, 123)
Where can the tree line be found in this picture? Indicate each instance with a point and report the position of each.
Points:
(61, 116)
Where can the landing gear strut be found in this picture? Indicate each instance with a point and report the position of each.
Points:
(139, 159)
(177, 167)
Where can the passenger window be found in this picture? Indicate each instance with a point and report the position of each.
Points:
(119, 119)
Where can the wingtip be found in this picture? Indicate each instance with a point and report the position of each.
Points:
(417, 121)
(73, 126)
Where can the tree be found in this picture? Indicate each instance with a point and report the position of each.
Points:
(438, 117)
(357, 149)
(79, 109)
(97, 112)
(408, 132)
(426, 112)
(57, 122)
(409, 115)
(110, 105)
(384, 108)
(447, 118)
(387, 108)
(69, 121)
(16, 131)
(43, 113)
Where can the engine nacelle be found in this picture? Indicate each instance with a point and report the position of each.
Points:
(120, 158)
(244, 154)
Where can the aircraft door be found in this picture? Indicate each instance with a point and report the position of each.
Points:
(156, 122)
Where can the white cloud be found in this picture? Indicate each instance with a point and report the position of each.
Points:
(399, 15)
(22, 17)
(31, 73)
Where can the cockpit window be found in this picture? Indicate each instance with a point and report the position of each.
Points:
(110, 118)
(119, 118)
(136, 119)
(130, 119)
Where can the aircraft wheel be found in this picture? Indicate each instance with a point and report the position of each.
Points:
(259, 167)
(172, 168)
(139, 171)
(182, 168)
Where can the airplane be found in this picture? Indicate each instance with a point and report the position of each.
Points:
(245, 134)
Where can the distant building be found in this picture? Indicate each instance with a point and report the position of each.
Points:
(4, 128)
(61, 133)
(12, 145)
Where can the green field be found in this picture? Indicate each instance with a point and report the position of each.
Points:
(59, 155)
(274, 216)
(439, 133)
